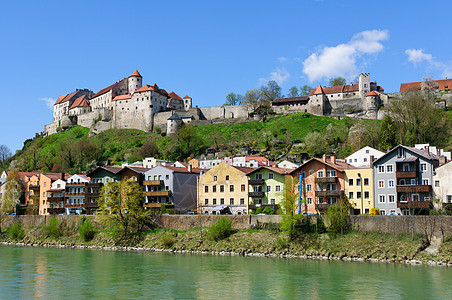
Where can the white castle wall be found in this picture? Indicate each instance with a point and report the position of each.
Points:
(225, 112)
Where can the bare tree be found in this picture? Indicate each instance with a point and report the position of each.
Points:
(13, 192)
(5, 155)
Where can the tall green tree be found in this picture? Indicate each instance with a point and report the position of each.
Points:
(305, 90)
(271, 91)
(233, 99)
(293, 92)
(289, 206)
(13, 192)
(337, 81)
(388, 133)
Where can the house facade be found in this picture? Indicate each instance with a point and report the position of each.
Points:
(359, 189)
(75, 194)
(56, 197)
(442, 185)
(362, 158)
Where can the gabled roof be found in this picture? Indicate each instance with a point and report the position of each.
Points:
(244, 169)
(136, 73)
(138, 170)
(185, 170)
(289, 100)
(441, 84)
(122, 97)
(339, 165)
(346, 88)
(319, 90)
(65, 98)
(173, 95)
(260, 159)
(107, 89)
(372, 93)
(111, 169)
(187, 97)
(81, 101)
(174, 116)
(273, 169)
(419, 152)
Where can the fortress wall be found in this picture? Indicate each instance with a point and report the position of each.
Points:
(291, 108)
(134, 113)
(346, 105)
(161, 118)
(86, 120)
(225, 112)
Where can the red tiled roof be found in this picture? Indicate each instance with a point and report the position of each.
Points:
(441, 84)
(107, 89)
(65, 98)
(260, 159)
(372, 93)
(340, 165)
(145, 88)
(244, 169)
(282, 101)
(185, 170)
(319, 90)
(136, 73)
(122, 97)
(173, 95)
(81, 101)
(187, 96)
(274, 169)
(336, 89)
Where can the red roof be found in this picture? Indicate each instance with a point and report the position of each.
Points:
(185, 170)
(136, 73)
(336, 89)
(260, 159)
(441, 84)
(107, 89)
(187, 97)
(65, 98)
(145, 88)
(173, 95)
(122, 97)
(319, 90)
(81, 101)
(372, 93)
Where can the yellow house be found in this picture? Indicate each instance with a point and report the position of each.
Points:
(359, 189)
(223, 188)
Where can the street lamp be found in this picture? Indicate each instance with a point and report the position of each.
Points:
(362, 196)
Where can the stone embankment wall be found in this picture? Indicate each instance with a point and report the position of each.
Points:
(387, 224)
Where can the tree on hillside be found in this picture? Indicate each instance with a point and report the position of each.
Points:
(293, 92)
(13, 192)
(388, 133)
(149, 149)
(233, 99)
(189, 143)
(305, 90)
(289, 206)
(337, 81)
(121, 206)
(314, 143)
(271, 91)
(5, 155)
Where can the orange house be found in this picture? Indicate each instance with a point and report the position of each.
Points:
(323, 183)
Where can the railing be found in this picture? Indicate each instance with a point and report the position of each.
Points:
(92, 195)
(158, 194)
(413, 204)
(414, 188)
(256, 194)
(153, 205)
(55, 199)
(256, 181)
(73, 205)
(75, 194)
(94, 184)
(153, 182)
(334, 193)
(406, 174)
(76, 184)
(91, 205)
(325, 179)
(34, 187)
(322, 206)
(55, 211)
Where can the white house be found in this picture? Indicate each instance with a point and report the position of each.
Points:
(361, 158)
(442, 183)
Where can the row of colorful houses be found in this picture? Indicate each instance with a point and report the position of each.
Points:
(404, 180)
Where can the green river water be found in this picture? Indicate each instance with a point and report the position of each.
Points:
(52, 273)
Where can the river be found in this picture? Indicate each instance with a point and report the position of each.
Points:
(28, 272)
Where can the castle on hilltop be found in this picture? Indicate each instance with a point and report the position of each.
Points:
(129, 104)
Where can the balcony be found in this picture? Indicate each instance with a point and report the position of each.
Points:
(92, 195)
(91, 205)
(94, 184)
(158, 194)
(322, 206)
(153, 182)
(73, 205)
(153, 205)
(325, 179)
(75, 194)
(414, 188)
(55, 211)
(34, 187)
(55, 199)
(76, 184)
(406, 174)
(256, 181)
(413, 204)
(334, 193)
(256, 194)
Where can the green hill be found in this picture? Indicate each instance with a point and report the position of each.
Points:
(74, 151)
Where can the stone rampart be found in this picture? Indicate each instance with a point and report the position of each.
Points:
(225, 112)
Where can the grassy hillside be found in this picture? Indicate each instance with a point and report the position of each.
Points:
(73, 151)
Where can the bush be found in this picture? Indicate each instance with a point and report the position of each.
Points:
(221, 229)
(320, 226)
(168, 239)
(338, 217)
(258, 210)
(281, 243)
(16, 232)
(86, 229)
(52, 229)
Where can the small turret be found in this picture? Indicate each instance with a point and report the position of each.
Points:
(135, 82)
(187, 102)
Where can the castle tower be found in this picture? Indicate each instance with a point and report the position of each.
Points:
(187, 102)
(135, 82)
(364, 84)
(318, 101)
(372, 103)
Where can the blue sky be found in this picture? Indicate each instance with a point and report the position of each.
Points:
(207, 49)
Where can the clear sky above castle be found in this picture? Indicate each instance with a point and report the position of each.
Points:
(207, 49)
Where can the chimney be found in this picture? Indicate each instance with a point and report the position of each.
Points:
(427, 149)
(62, 176)
(371, 161)
(189, 168)
(333, 159)
(324, 157)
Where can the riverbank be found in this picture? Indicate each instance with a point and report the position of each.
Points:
(402, 248)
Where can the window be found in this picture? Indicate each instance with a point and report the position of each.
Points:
(365, 159)
(358, 195)
(45, 183)
(214, 188)
(382, 212)
(270, 175)
(331, 173)
(44, 194)
(392, 212)
(358, 181)
(390, 183)
(423, 167)
(242, 201)
(381, 183)
(227, 177)
(413, 181)
(449, 198)
(366, 181)
(381, 169)
(269, 188)
(221, 188)
(272, 201)
(206, 201)
(437, 183)
(309, 200)
(221, 201)
(206, 189)
(214, 201)
(425, 181)
(389, 169)
(309, 188)
(242, 188)
(231, 201)
(258, 176)
(415, 197)
(350, 195)
(231, 188)
(366, 194)
(215, 178)
(350, 181)
(367, 151)
(401, 152)
(167, 177)
(381, 199)
(278, 188)
(320, 174)
(391, 198)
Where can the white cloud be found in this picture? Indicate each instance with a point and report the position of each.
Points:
(48, 101)
(282, 59)
(417, 55)
(279, 75)
(341, 60)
